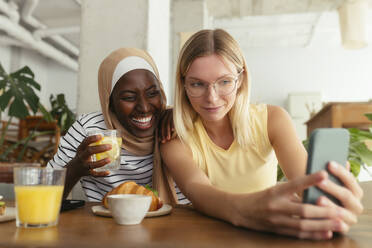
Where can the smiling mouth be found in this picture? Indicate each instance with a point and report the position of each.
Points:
(142, 122)
(213, 109)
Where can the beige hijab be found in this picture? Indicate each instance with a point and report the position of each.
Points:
(161, 179)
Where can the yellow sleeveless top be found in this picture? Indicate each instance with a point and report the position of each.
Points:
(238, 169)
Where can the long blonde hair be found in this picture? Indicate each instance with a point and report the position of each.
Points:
(203, 43)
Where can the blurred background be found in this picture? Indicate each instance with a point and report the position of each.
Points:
(303, 55)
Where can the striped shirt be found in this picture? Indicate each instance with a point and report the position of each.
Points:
(132, 167)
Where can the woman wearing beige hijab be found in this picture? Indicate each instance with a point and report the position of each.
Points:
(132, 101)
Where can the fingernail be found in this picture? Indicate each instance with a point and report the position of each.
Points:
(333, 165)
(323, 182)
(337, 225)
(322, 201)
(340, 213)
(344, 227)
(329, 235)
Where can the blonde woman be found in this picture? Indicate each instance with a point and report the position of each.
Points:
(224, 159)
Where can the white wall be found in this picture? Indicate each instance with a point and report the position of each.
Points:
(101, 33)
(301, 52)
(62, 80)
(341, 75)
(159, 39)
(187, 17)
(5, 57)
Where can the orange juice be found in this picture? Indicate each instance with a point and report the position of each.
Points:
(114, 152)
(39, 204)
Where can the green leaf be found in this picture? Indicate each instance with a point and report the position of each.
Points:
(3, 84)
(153, 190)
(61, 112)
(29, 82)
(31, 98)
(18, 109)
(2, 71)
(354, 167)
(359, 135)
(280, 174)
(306, 143)
(61, 99)
(23, 71)
(63, 120)
(4, 100)
(364, 153)
(46, 115)
(369, 116)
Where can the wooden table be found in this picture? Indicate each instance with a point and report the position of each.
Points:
(182, 228)
(341, 114)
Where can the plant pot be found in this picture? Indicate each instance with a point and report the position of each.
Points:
(6, 170)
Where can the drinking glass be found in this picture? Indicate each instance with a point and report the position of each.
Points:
(113, 138)
(38, 193)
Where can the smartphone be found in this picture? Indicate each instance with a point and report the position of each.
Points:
(325, 145)
(71, 204)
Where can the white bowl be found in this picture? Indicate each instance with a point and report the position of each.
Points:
(129, 209)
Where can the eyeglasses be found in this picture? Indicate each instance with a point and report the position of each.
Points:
(223, 86)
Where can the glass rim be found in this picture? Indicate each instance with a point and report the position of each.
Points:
(38, 168)
(95, 132)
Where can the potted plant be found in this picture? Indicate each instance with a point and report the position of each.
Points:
(61, 112)
(360, 149)
(18, 97)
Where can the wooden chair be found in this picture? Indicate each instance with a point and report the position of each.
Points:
(44, 145)
(11, 132)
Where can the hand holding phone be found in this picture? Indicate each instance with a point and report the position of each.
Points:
(326, 144)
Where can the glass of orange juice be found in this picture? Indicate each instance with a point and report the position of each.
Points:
(38, 193)
(113, 138)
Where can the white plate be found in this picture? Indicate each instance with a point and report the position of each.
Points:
(102, 211)
(10, 213)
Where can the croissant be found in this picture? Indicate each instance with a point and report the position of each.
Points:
(133, 188)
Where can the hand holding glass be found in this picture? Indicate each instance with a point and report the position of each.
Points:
(113, 138)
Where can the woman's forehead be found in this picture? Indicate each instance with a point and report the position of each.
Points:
(210, 64)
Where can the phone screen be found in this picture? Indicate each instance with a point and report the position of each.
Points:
(326, 144)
